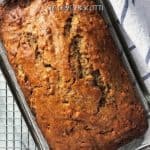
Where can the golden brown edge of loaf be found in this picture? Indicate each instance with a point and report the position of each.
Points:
(95, 106)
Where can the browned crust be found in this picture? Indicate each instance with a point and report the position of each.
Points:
(72, 76)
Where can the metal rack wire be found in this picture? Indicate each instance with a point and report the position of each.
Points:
(14, 134)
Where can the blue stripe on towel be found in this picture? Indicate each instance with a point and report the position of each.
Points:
(124, 11)
(132, 47)
(147, 76)
(147, 59)
(133, 2)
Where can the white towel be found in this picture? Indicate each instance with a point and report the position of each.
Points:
(135, 18)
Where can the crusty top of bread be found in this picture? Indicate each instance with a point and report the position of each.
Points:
(71, 74)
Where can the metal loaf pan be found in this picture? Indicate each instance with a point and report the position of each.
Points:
(116, 31)
(19, 96)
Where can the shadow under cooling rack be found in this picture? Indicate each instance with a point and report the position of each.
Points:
(14, 134)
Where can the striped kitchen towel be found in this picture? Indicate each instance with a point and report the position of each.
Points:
(134, 15)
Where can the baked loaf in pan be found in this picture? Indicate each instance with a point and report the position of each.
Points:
(71, 75)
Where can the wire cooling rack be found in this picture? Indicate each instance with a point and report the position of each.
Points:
(14, 134)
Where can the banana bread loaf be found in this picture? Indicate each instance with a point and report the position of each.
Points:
(71, 74)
